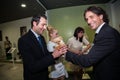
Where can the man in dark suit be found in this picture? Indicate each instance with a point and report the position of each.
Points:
(32, 47)
(104, 55)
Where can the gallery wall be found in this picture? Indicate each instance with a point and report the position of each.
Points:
(115, 11)
(12, 30)
(64, 19)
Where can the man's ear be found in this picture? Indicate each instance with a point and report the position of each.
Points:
(101, 17)
(34, 23)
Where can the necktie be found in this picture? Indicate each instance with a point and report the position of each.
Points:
(40, 42)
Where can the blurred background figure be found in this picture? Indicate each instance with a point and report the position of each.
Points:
(7, 46)
(55, 42)
(75, 45)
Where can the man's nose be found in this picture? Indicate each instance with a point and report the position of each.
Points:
(45, 27)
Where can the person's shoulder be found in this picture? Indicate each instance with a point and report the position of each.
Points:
(84, 37)
(109, 28)
(109, 31)
(51, 43)
(71, 38)
(25, 36)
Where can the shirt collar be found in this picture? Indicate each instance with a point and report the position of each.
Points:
(99, 28)
(36, 35)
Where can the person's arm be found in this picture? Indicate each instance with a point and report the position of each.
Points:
(86, 49)
(10, 44)
(58, 53)
(74, 51)
(87, 45)
(104, 46)
(33, 57)
(51, 46)
(69, 45)
(4, 44)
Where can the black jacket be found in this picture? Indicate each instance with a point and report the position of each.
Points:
(35, 60)
(104, 56)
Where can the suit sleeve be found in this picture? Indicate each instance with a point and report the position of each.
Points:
(104, 45)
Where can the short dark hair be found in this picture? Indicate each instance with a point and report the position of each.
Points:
(78, 30)
(98, 11)
(36, 18)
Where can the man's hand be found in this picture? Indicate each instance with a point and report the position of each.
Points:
(59, 52)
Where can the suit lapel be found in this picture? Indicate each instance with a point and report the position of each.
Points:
(101, 33)
(34, 39)
(95, 37)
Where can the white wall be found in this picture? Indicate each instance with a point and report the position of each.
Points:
(12, 30)
(115, 9)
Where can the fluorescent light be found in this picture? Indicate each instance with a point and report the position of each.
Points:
(23, 5)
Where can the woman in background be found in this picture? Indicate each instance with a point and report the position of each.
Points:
(75, 45)
(55, 73)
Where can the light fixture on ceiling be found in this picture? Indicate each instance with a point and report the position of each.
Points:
(23, 5)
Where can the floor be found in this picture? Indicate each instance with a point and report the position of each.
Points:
(10, 71)
(13, 70)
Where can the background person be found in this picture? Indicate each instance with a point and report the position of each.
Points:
(52, 44)
(75, 45)
(7, 46)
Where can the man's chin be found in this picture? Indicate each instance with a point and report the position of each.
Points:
(93, 28)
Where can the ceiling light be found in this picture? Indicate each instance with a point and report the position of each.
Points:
(23, 5)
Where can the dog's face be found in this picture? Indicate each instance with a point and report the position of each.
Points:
(59, 41)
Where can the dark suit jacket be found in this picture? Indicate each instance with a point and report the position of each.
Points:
(104, 56)
(35, 60)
